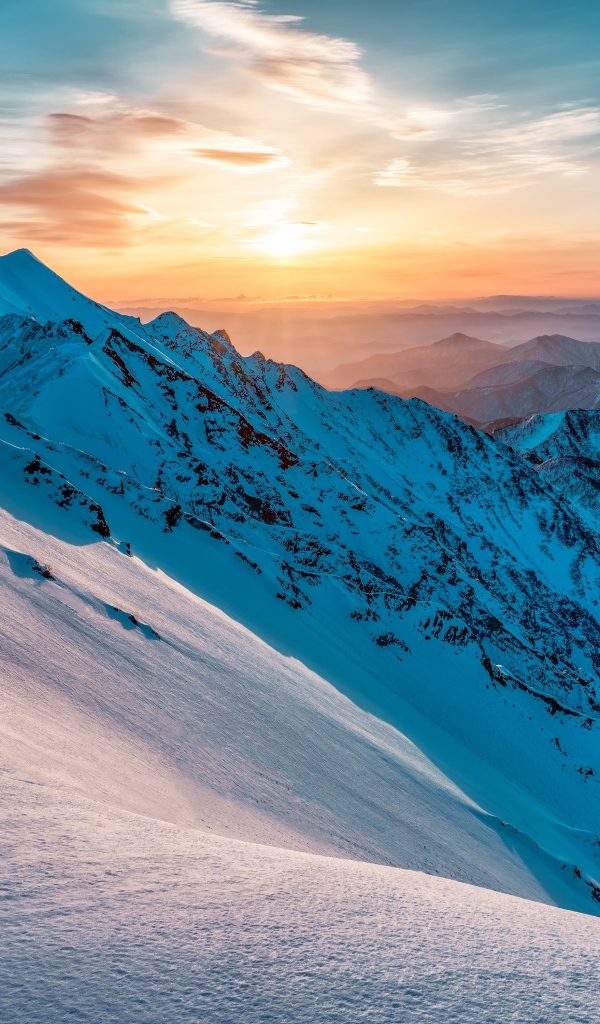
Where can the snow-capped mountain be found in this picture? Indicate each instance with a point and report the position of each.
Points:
(425, 570)
(564, 448)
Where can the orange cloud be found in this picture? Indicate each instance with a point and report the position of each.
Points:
(83, 207)
(240, 158)
(121, 131)
(102, 163)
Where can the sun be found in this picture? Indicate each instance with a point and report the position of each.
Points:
(286, 240)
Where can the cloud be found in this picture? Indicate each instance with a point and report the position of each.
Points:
(88, 187)
(318, 70)
(121, 130)
(561, 126)
(117, 128)
(82, 207)
(241, 159)
(505, 158)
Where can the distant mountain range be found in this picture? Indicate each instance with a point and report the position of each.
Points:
(483, 383)
(318, 336)
(443, 364)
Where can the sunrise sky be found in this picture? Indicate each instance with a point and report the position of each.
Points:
(198, 149)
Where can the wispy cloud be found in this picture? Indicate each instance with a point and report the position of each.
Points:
(122, 130)
(504, 158)
(90, 184)
(318, 70)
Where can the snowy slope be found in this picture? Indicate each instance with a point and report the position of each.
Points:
(574, 433)
(123, 686)
(119, 918)
(421, 568)
(145, 765)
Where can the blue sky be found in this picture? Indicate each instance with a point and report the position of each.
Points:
(295, 131)
(519, 47)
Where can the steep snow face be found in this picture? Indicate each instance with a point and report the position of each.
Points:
(123, 687)
(425, 570)
(574, 433)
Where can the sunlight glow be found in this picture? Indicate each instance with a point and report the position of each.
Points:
(286, 240)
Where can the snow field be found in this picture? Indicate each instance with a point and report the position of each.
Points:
(112, 917)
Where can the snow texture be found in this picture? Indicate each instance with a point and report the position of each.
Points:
(117, 918)
(133, 769)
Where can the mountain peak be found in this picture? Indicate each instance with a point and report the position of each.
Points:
(20, 256)
(461, 340)
(29, 288)
(168, 321)
(222, 335)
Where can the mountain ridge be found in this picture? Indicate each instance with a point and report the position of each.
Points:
(384, 544)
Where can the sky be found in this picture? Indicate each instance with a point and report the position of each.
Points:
(197, 149)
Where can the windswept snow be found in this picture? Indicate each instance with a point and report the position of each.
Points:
(113, 918)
